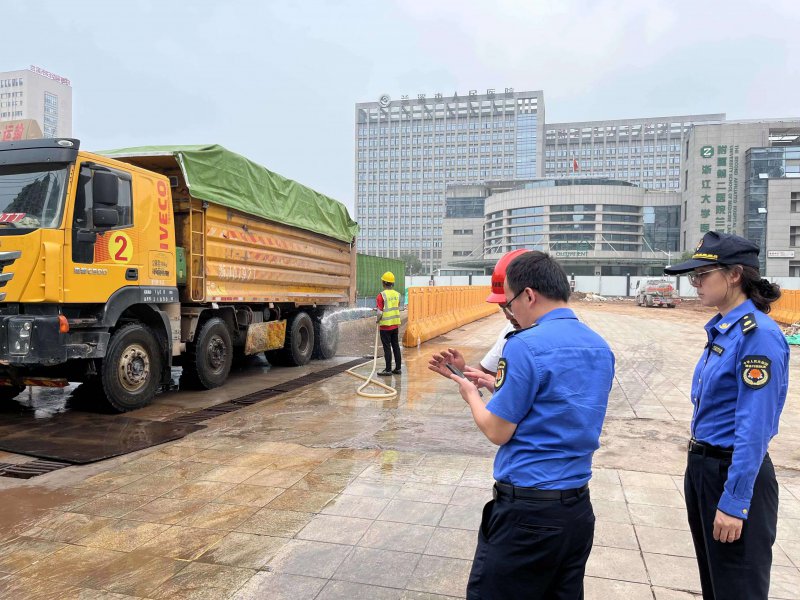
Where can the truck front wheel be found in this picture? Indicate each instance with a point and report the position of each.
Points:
(131, 369)
(209, 358)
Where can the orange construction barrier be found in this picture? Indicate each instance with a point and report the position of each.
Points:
(787, 309)
(433, 311)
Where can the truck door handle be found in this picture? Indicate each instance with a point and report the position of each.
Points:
(132, 274)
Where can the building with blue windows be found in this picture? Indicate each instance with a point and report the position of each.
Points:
(772, 206)
(408, 150)
(427, 166)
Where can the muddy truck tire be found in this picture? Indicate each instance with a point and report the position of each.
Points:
(209, 358)
(131, 370)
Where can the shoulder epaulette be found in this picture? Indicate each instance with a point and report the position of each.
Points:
(748, 323)
(516, 331)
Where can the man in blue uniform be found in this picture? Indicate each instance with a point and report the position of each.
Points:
(738, 391)
(550, 398)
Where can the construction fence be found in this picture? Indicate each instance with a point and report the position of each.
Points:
(368, 275)
(605, 285)
(435, 310)
(787, 309)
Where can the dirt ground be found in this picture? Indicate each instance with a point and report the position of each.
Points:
(686, 310)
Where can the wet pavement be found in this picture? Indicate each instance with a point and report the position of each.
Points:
(320, 494)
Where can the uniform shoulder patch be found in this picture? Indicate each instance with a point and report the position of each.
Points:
(717, 349)
(756, 371)
(748, 323)
(500, 378)
(511, 334)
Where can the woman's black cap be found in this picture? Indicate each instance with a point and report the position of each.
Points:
(719, 248)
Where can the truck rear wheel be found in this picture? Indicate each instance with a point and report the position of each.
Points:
(131, 369)
(209, 358)
(326, 337)
(299, 344)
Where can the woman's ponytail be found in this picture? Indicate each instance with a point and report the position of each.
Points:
(761, 291)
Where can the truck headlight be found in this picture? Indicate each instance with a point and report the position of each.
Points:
(19, 336)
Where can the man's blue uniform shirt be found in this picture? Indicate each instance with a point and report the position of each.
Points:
(553, 382)
(738, 391)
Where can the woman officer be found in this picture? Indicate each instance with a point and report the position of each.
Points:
(738, 391)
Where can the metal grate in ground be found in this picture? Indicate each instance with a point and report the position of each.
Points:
(30, 469)
(254, 398)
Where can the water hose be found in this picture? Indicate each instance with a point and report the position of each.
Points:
(390, 391)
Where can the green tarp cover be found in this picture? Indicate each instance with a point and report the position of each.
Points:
(218, 175)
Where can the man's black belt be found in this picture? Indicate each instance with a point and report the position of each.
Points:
(704, 449)
(526, 493)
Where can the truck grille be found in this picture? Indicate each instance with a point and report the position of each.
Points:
(6, 260)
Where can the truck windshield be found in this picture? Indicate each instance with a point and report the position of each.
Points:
(31, 197)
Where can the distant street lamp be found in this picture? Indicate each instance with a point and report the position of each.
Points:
(669, 255)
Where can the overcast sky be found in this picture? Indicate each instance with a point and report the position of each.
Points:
(277, 80)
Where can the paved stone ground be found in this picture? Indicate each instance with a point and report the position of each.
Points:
(322, 495)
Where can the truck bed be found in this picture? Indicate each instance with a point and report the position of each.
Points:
(246, 259)
(235, 256)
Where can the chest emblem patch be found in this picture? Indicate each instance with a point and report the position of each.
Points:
(755, 371)
(500, 379)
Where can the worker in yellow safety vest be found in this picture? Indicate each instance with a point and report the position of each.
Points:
(388, 302)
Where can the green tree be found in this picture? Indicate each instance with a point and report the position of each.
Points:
(413, 264)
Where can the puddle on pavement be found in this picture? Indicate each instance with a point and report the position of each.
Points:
(24, 505)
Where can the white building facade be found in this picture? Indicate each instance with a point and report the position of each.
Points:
(37, 94)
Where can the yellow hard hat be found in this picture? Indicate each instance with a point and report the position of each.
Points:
(388, 277)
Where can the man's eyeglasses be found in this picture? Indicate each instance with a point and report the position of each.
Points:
(507, 306)
(696, 278)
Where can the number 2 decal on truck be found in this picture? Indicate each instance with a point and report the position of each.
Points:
(120, 247)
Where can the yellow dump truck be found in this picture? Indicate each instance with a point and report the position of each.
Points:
(118, 265)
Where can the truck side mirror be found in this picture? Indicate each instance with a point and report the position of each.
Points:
(105, 217)
(83, 236)
(105, 188)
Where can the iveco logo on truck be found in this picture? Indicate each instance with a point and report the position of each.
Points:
(163, 214)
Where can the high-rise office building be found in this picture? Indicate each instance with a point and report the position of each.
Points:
(40, 95)
(408, 150)
(645, 152)
(743, 177)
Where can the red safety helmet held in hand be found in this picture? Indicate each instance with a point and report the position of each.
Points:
(498, 295)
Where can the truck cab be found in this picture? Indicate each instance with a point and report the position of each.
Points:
(84, 257)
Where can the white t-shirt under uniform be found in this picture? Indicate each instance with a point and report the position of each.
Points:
(489, 362)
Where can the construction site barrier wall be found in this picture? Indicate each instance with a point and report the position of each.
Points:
(787, 309)
(435, 310)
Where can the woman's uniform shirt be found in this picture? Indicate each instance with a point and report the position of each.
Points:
(738, 391)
